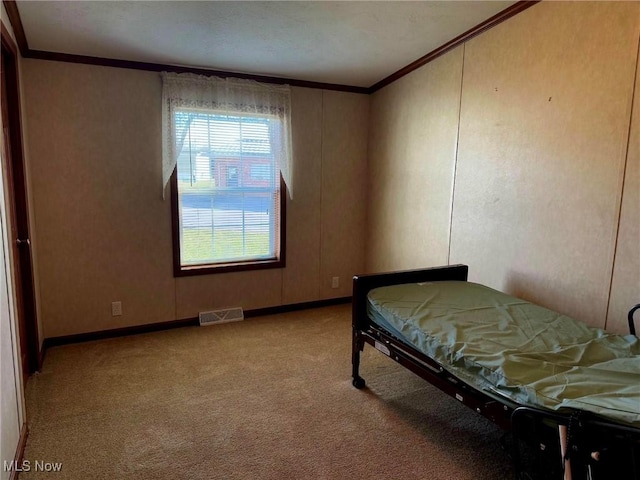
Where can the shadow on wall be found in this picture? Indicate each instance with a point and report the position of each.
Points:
(544, 291)
(541, 290)
(538, 290)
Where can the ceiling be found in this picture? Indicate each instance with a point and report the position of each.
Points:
(355, 43)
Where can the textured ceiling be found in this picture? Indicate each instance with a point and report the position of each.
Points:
(354, 43)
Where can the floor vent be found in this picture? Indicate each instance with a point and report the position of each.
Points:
(221, 316)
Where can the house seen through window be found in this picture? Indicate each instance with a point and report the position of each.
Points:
(228, 186)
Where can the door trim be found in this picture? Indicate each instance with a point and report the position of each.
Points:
(18, 198)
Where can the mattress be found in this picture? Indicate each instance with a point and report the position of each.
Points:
(513, 348)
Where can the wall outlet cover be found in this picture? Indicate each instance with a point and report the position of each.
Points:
(116, 309)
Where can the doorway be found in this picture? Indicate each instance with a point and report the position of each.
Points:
(18, 209)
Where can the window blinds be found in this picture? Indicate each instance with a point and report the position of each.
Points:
(228, 187)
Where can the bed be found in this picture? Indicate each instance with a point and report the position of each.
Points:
(568, 395)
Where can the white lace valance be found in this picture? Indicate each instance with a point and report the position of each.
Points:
(226, 96)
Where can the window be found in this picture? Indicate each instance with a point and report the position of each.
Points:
(227, 184)
(228, 216)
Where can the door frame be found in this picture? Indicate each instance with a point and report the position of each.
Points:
(18, 211)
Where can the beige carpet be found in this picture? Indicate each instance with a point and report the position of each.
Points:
(269, 397)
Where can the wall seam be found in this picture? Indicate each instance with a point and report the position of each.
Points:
(455, 156)
(623, 181)
(365, 263)
(320, 270)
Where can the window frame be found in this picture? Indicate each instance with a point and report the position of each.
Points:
(180, 270)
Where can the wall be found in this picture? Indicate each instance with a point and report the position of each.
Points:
(105, 233)
(413, 141)
(625, 287)
(507, 153)
(12, 412)
(535, 186)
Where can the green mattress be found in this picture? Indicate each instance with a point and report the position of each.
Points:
(515, 349)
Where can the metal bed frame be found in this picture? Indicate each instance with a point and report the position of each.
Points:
(546, 445)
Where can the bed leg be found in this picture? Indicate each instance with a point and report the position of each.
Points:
(564, 444)
(356, 347)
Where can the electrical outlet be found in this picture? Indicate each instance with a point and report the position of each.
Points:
(335, 282)
(116, 309)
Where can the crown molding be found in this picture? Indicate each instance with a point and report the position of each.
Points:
(26, 52)
(459, 40)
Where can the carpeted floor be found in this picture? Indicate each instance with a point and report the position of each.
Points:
(267, 398)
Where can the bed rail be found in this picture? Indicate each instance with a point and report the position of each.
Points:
(362, 284)
(632, 327)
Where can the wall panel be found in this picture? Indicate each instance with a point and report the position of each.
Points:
(301, 278)
(249, 290)
(412, 148)
(344, 196)
(104, 230)
(625, 288)
(543, 134)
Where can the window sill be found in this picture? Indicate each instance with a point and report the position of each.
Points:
(192, 270)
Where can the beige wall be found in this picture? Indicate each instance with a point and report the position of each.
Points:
(105, 233)
(625, 289)
(507, 153)
(543, 133)
(344, 194)
(302, 275)
(412, 148)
